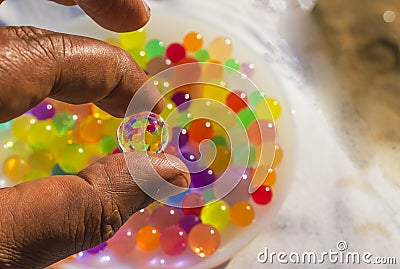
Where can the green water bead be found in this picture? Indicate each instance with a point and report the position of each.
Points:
(219, 141)
(107, 144)
(202, 55)
(246, 116)
(209, 195)
(232, 64)
(154, 48)
(63, 122)
(255, 97)
(244, 155)
(35, 174)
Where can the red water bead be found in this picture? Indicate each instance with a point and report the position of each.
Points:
(236, 100)
(263, 195)
(192, 204)
(175, 52)
(164, 216)
(200, 129)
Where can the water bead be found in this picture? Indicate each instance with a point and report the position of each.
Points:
(244, 155)
(175, 52)
(262, 196)
(21, 148)
(15, 168)
(270, 179)
(204, 239)
(269, 109)
(236, 100)
(193, 41)
(64, 122)
(148, 238)
(176, 200)
(97, 248)
(242, 214)
(155, 47)
(164, 216)
(255, 97)
(5, 125)
(107, 144)
(241, 190)
(43, 111)
(157, 65)
(232, 64)
(247, 69)
(73, 158)
(259, 131)
(99, 113)
(133, 40)
(173, 240)
(140, 57)
(144, 131)
(21, 125)
(57, 170)
(221, 161)
(200, 129)
(192, 204)
(110, 126)
(181, 100)
(216, 214)
(202, 178)
(187, 222)
(212, 70)
(35, 174)
(246, 116)
(41, 134)
(219, 141)
(123, 242)
(91, 129)
(278, 155)
(215, 93)
(42, 160)
(202, 55)
(220, 49)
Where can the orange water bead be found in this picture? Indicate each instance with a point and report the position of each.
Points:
(221, 160)
(242, 214)
(16, 167)
(200, 129)
(259, 131)
(91, 129)
(148, 238)
(278, 155)
(212, 70)
(271, 178)
(204, 239)
(193, 41)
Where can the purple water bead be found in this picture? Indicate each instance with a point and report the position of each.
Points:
(202, 179)
(43, 111)
(189, 221)
(180, 136)
(97, 249)
(247, 69)
(181, 100)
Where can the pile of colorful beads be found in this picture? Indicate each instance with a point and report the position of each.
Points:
(56, 138)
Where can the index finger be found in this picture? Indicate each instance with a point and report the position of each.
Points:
(35, 64)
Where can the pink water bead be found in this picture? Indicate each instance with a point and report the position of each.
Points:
(173, 240)
(164, 216)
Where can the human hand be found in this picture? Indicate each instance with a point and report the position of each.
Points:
(51, 218)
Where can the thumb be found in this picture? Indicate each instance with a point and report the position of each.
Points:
(46, 220)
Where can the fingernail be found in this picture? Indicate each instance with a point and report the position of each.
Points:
(180, 181)
(147, 7)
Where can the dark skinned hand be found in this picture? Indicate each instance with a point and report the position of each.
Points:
(46, 220)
